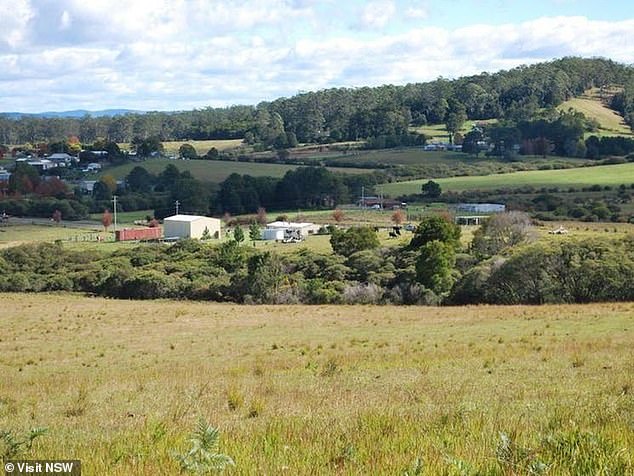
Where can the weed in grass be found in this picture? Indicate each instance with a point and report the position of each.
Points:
(258, 369)
(345, 456)
(330, 368)
(256, 407)
(516, 459)
(78, 405)
(204, 455)
(14, 446)
(578, 361)
(235, 399)
(415, 469)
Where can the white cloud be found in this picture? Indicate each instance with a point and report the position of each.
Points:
(179, 54)
(377, 14)
(65, 21)
(417, 13)
(15, 16)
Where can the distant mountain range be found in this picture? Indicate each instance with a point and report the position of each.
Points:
(74, 114)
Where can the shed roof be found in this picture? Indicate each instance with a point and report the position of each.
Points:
(288, 224)
(188, 218)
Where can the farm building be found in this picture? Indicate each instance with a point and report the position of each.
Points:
(190, 226)
(280, 230)
(273, 234)
(134, 234)
(481, 207)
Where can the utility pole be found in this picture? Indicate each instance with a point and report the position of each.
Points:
(114, 203)
(363, 203)
(177, 203)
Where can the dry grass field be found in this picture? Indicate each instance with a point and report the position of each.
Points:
(592, 105)
(322, 389)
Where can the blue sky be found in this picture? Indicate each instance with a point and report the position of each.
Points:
(182, 54)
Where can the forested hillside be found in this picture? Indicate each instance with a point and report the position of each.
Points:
(351, 114)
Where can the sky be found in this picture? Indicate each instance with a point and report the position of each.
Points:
(58, 55)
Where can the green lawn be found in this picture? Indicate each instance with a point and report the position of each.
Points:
(577, 177)
(125, 218)
(215, 170)
(12, 235)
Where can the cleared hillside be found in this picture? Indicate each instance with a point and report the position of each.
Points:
(592, 106)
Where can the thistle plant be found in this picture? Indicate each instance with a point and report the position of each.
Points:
(204, 456)
(13, 446)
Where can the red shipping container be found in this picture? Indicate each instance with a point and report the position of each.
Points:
(129, 234)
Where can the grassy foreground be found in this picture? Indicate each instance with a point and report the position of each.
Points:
(323, 389)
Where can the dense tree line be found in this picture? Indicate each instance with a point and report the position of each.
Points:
(623, 102)
(353, 113)
(304, 187)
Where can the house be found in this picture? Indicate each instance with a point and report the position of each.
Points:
(289, 231)
(87, 186)
(62, 159)
(190, 226)
(92, 167)
(41, 165)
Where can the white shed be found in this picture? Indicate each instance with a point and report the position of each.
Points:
(190, 226)
(270, 234)
(284, 230)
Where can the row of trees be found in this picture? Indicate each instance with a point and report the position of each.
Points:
(304, 187)
(352, 114)
(623, 102)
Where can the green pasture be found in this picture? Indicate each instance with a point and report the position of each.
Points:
(125, 218)
(416, 156)
(576, 177)
(215, 170)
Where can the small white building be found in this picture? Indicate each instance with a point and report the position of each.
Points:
(481, 207)
(273, 234)
(280, 230)
(87, 186)
(62, 159)
(190, 226)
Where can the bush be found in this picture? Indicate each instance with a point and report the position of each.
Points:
(362, 293)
